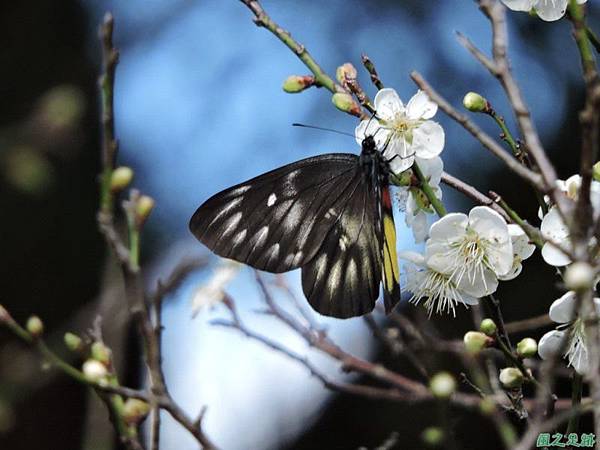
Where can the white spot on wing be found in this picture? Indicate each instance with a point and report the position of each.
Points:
(335, 275)
(271, 200)
(344, 241)
(274, 251)
(261, 236)
(232, 222)
(239, 237)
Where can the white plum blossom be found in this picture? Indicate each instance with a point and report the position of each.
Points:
(548, 10)
(522, 249)
(553, 227)
(411, 199)
(442, 294)
(472, 250)
(572, 328)
(403, 132)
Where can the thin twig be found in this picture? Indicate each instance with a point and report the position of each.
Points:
(486, 140)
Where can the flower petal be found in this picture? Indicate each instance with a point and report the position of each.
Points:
(421, 107)
(450, 227)
(519, 5)
(562, 309)
(482, 284)
(414, 257)
(554, 256)
(514, 272)
(428, 140)
(432, 169)
(550, 344)
(490, 226)
(520, 242)
(373, 128)
(388, 104)
(399, 154)
(418, 225)
(550, 10)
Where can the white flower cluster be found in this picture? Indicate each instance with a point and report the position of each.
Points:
(571, 325)
(573, 329)
(554, 229)
(548, 10)
(406, 135)
(465, 256)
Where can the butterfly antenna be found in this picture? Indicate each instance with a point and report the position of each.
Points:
(315, 127)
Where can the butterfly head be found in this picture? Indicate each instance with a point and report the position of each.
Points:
(369, 146)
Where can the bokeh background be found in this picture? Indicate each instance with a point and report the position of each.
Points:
(199, 107)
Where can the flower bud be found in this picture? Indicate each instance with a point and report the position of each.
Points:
(94, 370)
(596, 171)
(101, 353)
(143, 208)
(73, 342)
(346, 72)
(134, 411)
(511, 377)
(442, 385)
(475, 341)
(120, 178)
(297, 83)
(475, 102)
(432, 436)
(527, 348)
(35, 326)
(579, 276)
(345, 102)
(488, 327)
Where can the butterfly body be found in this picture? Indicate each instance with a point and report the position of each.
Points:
(330, 215)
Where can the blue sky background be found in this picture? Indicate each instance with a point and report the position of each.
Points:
(199, 107)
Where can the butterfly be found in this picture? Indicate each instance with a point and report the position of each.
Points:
(330, 215)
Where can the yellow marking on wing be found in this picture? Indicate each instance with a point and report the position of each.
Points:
(390, 257)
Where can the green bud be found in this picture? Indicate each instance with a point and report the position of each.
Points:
(346, 72)
(475, 102)
(73, 342)
(527, 348)
(475, 341)
(134, 411)
(579, 276)
(432, 436)
(297, 83)
(94, 370)
(345, 102)
(442, 385)
(121, 178)
(596, 171)
(101, 353)
(487, 406)
(35, 326)
(488, 326)
(511, 377)
(143, 208)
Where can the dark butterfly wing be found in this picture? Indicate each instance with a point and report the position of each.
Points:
(277, 221)
(343, 279)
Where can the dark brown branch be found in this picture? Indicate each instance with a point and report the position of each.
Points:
(472, 193)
